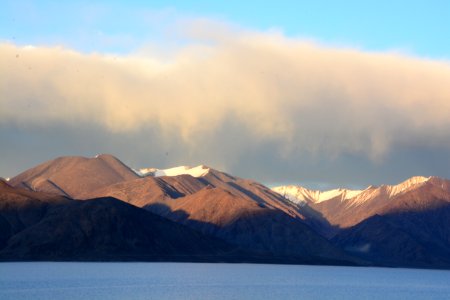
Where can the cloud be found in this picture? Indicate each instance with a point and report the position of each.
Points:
(258, 89)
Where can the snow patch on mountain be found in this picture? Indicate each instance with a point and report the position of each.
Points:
(146, 172)
(198, 171)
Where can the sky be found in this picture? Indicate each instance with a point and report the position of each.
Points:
(317, 93)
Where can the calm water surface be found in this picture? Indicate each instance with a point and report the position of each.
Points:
(216, 281)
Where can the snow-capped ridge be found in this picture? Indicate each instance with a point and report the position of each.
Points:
(403, 186)
(298, 194)
(413, 181)
(198, 171)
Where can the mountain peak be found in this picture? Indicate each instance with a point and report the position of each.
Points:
(83, 173)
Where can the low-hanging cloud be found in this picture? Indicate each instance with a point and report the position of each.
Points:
(297, 96)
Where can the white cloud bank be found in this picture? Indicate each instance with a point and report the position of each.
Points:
(299, 95)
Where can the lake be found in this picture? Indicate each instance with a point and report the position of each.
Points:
(51, 280)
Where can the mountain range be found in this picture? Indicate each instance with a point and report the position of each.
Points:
(405, 224)
(77, 208)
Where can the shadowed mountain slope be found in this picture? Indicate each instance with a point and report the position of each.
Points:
(39, 226)
(410, 238)
(148, 190)
(249, 224)
(242, 212)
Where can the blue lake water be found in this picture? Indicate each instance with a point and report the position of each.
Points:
(49, 280)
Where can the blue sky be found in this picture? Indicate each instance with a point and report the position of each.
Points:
(321, 93)
(420, 28)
